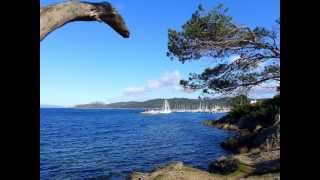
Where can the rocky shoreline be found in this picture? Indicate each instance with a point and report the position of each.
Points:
(256, 155)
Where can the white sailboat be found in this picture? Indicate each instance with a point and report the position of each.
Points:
(166, 107)
(164, 110)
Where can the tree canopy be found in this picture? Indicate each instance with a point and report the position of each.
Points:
(240, 100)
(253, 54)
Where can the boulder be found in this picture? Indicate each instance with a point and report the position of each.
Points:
(243, 149)
(258, 128)
(230, 144)
(224, 165)
(268, 138)
(272, 166)
(226, 126)
(235, 143)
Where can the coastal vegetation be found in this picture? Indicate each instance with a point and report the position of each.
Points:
(252, 121)
(253, 58)
(255, 146)
(243, 57)
(157, 103)
(251, 116)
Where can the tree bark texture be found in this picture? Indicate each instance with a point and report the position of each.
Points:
(55, 16)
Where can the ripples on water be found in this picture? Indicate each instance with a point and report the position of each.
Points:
(109, 144)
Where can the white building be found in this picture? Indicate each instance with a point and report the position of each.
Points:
(253, 101)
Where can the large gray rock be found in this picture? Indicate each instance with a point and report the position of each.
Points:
(224, 165)
(269, 138)
(263, 138)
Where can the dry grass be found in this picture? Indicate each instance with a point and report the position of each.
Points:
(182, 172)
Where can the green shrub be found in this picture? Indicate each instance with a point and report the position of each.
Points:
(249, 116)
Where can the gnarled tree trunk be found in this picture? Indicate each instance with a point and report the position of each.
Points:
(57, 15)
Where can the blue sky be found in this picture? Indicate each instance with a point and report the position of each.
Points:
(84, 62)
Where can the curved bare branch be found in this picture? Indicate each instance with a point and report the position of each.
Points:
(55, 16)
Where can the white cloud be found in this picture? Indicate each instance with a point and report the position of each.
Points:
(233, 58)
(135, 90)
(167, 80)
(170, 80)
(265, 90)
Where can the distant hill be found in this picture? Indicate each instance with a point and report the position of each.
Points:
(157, 103)
(50, 106)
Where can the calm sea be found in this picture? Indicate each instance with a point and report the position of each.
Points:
(111, 143)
